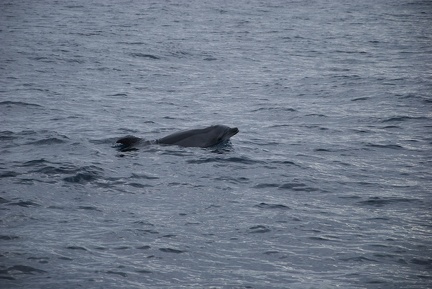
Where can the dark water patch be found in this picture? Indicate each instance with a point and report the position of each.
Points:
(144, 55)
(266, 185)
(362, 131)
(85, 175)
(34, 163)
(117, 273)
(213, 206)
(7, 135)
(122, 248)
(2, 276)
(100, 248)
(299, 187)
(383, 256)
(319, 238)
(51, 169)
(41, 260)
(138, 185)
(81, 178)
(360, 99)
(25, 204)
(131, 42)
(143, 271)
(65, 258)
(18, 103)
(3, 201)
(9, 174)
(210, 59)
(145, 223)
(392, 127)
(276, 108)
(385, 146)
(145, 247)
(8, 237)
(144, 176)
(403, 118)
(323, 150)
(233, 180)
(380, 202)
(271, 252)
(239, 160)
(171, 250)
(272, 206)
(317, 115)
(89, 208)
(427, 262)
(358, 259)
(259, 229)
(76, 248)
(289, 163)
(147, 231)
(48, 141)
(23, 269)
(119, 94)
(192, 223)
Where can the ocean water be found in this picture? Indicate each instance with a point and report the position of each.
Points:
(327, 185)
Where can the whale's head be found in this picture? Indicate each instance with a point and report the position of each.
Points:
(222, 133)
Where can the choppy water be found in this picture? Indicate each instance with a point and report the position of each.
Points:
(327, 184)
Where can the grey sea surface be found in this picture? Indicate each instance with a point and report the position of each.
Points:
(327, 185)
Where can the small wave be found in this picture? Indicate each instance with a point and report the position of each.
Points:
(54, 170)
(7, 135)
(144, 55)
(379, 202)
(144, 271)
(290, 163)
(76, 248)
(315, 238)
(90, 208)
(316, 115)
(8, 237)
(266, 185)
(276, 108)
(9, 174)
(403, 118)
(81, 178)
(48, 141)
(25, 204)
(117, 273)
(272, 206)
(358, 259)
(18, 103)
(144, 176)
(84, 175)
(237, 180)
(3, 201)
(23, 269)
(298, 187)
(171, 250)
(145, 247)
(240, 160)
(210, 58)
(360, 99)
(34, 163)
(258, 229)
(383, 146)
(422, 262)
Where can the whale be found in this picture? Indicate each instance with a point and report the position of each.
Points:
(199, 137)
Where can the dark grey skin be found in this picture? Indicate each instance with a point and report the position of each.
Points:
(202, 137)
